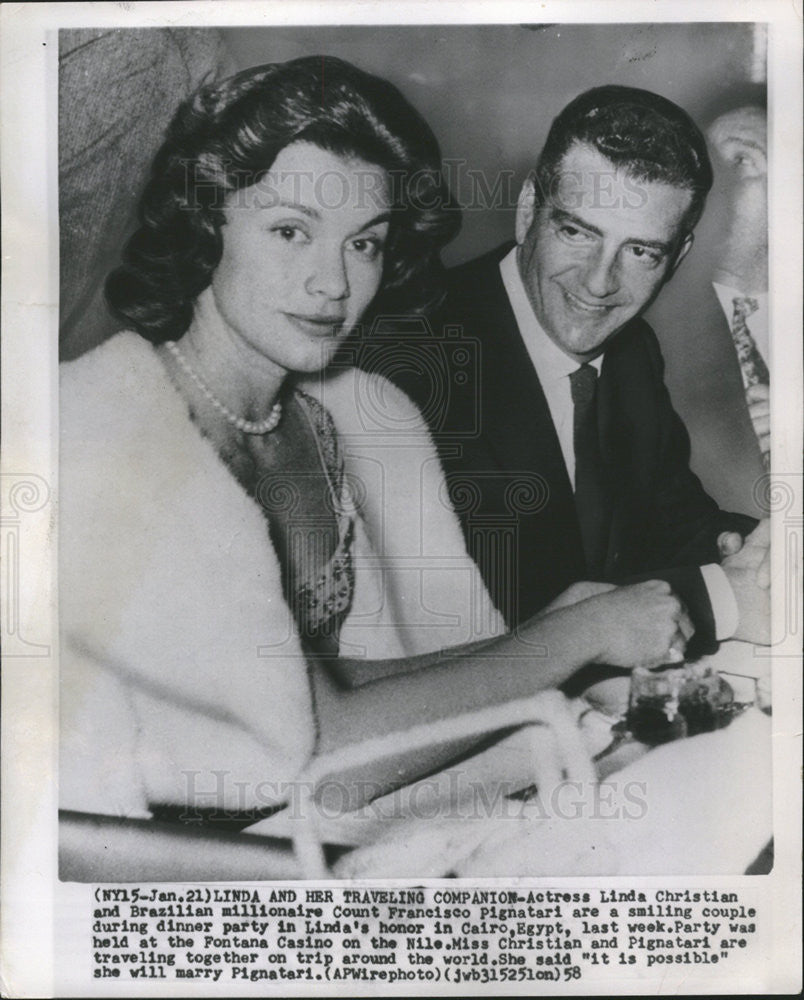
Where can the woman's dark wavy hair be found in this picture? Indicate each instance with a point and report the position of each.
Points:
(227, 136)
(648, 136)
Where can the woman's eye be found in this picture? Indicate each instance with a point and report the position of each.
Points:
(367, 246)
(290, 234)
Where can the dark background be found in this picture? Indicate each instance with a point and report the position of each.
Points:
(489, 93)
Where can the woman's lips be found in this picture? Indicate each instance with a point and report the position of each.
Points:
(322, 326)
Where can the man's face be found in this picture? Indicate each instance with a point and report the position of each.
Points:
(595, 251)
(740, 138)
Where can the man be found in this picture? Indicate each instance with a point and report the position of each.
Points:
(740, 140)
(724, 402)
(565, 458)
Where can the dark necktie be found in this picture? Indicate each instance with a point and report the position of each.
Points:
(592, 501)
(752, 366)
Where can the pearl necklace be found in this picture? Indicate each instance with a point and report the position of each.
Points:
(247, 426)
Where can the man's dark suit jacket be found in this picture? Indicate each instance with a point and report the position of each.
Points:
(508, 482)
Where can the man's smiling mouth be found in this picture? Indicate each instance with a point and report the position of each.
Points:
(581, 305)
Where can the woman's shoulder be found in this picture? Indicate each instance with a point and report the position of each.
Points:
(125, 359)
(116, 388)
(124, 347)
(364, 402)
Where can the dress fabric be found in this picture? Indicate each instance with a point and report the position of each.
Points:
(184, 673)
(321, 602)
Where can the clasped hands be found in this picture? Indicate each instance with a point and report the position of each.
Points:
(646, 624)
(637, 625)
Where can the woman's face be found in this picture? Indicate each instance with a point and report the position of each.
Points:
(302, 256)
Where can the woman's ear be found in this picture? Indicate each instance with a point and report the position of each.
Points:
(525, 210)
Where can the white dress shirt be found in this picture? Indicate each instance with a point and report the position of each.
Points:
(552, 365)
(554, 368)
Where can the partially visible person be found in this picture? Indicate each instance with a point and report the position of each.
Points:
(118, 89)
(251, 571)
(740, 141)
(695, 319)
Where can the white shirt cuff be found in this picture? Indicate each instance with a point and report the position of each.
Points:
(723, 601)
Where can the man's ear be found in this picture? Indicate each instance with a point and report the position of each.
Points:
(681, 253)
(525, 210)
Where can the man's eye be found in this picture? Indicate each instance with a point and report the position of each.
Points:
(748, 164)
(572, 234)
(646, 256)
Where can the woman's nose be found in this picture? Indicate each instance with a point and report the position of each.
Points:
(601, 276)
(328, 276)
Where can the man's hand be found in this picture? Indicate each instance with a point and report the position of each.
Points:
(748, 572)
(729, 543)
(758, 399)
(754, 554)
(644, 624)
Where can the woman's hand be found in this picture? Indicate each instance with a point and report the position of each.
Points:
(578, 592)
(642, 625)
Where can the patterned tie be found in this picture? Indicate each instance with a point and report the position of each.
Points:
(592, 501)
(752, 366)
(754, 369)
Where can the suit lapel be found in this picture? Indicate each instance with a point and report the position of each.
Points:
(515, 418)
(519, 435)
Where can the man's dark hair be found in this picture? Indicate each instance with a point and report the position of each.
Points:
(226, 138)
(647, 136)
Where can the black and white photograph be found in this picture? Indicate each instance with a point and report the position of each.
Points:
(404, 568)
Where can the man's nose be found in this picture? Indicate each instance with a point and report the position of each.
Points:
(328, 275)
(602, 274)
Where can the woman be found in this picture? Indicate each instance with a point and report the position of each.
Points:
(241, 549)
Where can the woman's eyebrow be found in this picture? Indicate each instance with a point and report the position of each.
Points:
(313, 213)
(376, 221)
(295, 206)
